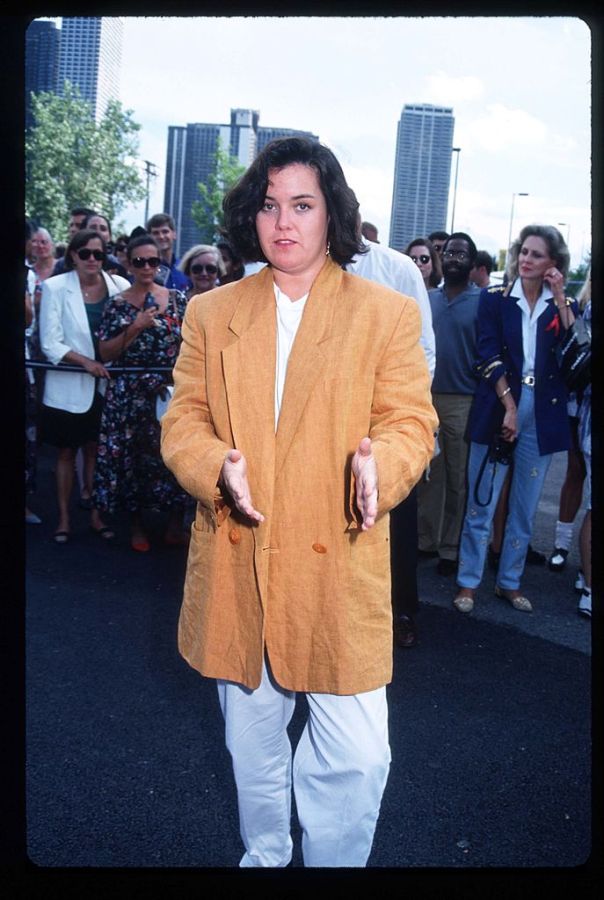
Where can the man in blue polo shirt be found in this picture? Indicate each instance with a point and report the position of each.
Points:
(441, 499)
(163, 228)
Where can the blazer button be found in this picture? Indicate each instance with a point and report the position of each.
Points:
(234, 536)
(319, 548)
(550, 377)
(554, 399)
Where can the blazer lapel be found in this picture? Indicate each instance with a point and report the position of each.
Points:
(310, 353)
(249, 373)
(78, 307)
(513, 329)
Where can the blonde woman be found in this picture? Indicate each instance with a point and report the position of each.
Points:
(202, 265)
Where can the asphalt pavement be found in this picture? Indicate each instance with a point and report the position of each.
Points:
(490, 717)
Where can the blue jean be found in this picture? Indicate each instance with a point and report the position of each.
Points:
(528, 476)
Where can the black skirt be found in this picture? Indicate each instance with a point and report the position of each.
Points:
(60, 428)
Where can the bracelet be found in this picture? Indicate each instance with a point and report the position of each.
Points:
(503, 393)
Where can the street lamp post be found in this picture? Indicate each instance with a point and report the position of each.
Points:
(458, 151)
(514, 195)
(567, 226)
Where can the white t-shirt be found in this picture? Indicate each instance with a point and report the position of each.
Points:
(289, 316)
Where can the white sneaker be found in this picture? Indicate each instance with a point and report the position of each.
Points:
(579, 580)
(584, 608)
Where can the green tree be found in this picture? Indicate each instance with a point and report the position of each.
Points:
(577, 277)
(207, 211)
(73, 161)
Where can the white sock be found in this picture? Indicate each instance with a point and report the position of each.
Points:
(564, 535)
(586, 591)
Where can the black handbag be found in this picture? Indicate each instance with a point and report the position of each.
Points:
(574, 356)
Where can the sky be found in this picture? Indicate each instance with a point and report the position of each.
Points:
(520, 89)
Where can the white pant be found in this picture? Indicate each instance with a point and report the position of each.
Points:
(340, 770)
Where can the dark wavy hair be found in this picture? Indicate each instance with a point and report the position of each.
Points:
(242, 203)
(435, 277)
(80, 239)
(461, 235)
(555, 243)
(141, 240)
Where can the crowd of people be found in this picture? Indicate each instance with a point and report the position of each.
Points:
(328, 409)
(90, 307)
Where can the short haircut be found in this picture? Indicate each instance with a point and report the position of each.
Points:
(80, 239)
(187, 260)
(245, 199)
(439, 235)
(141, 240)
(555, 243)
(484, 258)
(462, 236)
(160, 219)
(44, 231)
(82, 211)
(436, 274)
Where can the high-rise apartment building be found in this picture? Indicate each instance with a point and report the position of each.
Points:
(42, 42)
(190, 160)
(91, 56)
(422, 172)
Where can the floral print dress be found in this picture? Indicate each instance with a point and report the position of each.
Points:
(129, 473)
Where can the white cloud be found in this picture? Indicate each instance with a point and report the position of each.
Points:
(503, 127)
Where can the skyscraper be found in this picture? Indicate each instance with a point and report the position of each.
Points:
(422, 172)
(91, 56)
(190, 160)
(42, 41)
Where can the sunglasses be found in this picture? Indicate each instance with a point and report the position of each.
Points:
(139, 262)
(423, 259)
(198, 268)
(85, 253)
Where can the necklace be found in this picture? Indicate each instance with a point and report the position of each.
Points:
(92, 289)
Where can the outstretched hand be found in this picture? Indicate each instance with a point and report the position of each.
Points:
(364, 468)
(233, 476)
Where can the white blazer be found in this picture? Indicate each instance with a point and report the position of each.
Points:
(64, 327)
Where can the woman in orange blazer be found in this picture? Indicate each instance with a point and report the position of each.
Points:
(301, 415)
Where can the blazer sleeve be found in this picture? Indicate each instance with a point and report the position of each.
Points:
(52, 338)
(489, 360)
(189, 445)
(403, 420)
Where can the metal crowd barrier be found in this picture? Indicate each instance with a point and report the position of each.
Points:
(116, 370)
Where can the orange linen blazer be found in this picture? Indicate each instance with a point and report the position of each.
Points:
(308, 585)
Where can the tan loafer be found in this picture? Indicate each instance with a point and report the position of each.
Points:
(463, 603)
(521, 603)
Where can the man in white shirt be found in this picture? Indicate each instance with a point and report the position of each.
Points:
(395, 270)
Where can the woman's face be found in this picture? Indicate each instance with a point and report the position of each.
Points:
(100, 224)
(422, 259)
(292, 223)
(203, 272)
(143, 265)
(90, 266)
(534, 259)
